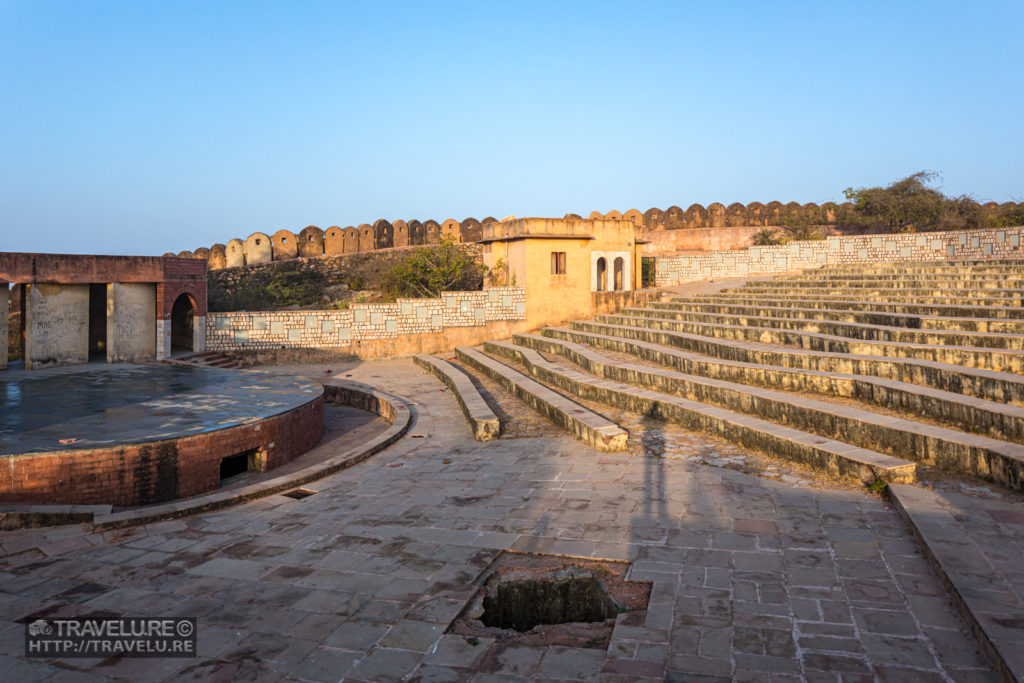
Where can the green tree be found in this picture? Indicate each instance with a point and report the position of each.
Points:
(426, 272)
(799, 224)
(910, 205)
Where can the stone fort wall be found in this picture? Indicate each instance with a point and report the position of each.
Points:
(313, 241)
(992, 243)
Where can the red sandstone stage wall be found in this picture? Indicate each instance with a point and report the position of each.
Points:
(158, 471)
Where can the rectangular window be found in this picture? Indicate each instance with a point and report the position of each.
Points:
(558, 263)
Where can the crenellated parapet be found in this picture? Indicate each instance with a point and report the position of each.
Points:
(312, 242)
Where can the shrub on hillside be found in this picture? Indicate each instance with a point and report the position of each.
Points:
(909, 205)
(426, 272)
(766, 237)
(285, 284)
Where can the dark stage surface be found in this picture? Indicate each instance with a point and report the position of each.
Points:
(100, 405)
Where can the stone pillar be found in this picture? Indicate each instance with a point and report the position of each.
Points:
(5, 298)
(199, 334)
(131, 322)
(56, 325)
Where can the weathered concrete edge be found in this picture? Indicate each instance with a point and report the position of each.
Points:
(902, 497)
(858, 331)
(987, 384)
(29, 516)
(983, 456)
(608, 437)
(971, 356)
(481, 418)
(835, 457)
(388, 406)
(998, 420)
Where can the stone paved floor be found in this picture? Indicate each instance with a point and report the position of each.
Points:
(753, 578)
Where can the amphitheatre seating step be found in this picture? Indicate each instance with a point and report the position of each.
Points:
(940, 309)
(777, 309)
(969, 356)
(988, 384)
(853, 330)
(957, 296)
(909, 281)
(922, 266)
(584, 424)
(835, 457)
(968, 413)
(979, 560)
(908, 269)
(481, 418)
(949, 449)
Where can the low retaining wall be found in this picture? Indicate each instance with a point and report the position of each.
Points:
(401, 328)
(773, 260)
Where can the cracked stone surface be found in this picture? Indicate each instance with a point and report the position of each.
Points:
(754, 578)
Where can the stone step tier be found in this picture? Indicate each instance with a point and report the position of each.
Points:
(481, 418)
(583, 423)
(876, 372)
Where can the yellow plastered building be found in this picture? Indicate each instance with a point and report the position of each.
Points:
(570, 268)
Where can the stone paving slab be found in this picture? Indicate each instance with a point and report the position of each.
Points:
(753, 578)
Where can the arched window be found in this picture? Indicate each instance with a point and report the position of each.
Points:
(617, 269)
(602, 274)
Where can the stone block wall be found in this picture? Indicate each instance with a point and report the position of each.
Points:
(995, 243)
(341, 329)
(381, 234)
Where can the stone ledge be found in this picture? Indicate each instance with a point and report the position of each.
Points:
(944, 543)
(834, 457)
(942, 308)
(874, 332)
(969, 356)
(584, 424)
(987, 384)
(28, 516)
(989, 458)
(968, 413)
(792, 309)
(955, 356)
(481, 418)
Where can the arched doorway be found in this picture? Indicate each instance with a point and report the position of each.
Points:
(602, 274)
(182, 323)
(617, 269)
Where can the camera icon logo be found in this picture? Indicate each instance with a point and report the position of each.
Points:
(40, 627)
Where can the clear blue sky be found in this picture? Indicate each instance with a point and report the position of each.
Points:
(143, 127)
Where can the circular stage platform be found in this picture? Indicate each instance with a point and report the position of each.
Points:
(138, 434)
